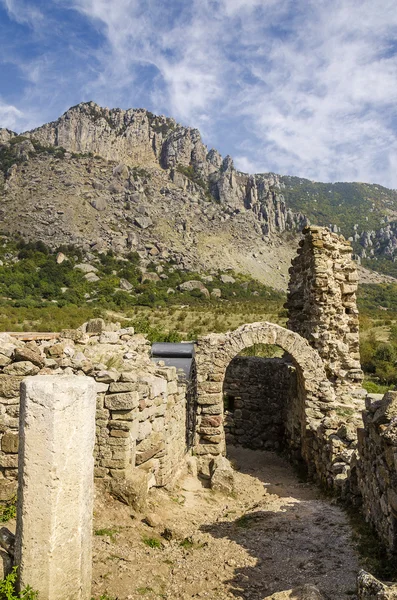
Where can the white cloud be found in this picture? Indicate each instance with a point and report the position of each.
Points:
(23, 12)
(304, 88)
(10, 116)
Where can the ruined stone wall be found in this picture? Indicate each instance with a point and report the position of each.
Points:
(141, 407)
(322, 306)
(377, 466)
(257, 393)
(313, 403)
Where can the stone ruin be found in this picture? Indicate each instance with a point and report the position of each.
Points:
(150, 418)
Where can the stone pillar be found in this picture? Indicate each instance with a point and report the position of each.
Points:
(322, 305)
(55, 486)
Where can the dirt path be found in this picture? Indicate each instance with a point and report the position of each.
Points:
(275, 534)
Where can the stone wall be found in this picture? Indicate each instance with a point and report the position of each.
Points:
(257, 393)
(141, 408)
(377, 466)
(322, 306)
(314, 402)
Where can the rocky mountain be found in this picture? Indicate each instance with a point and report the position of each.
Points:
(125, 180)
(366, 214)
(121, 180)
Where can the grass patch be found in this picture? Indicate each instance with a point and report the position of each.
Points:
(144, 590)
(110, 532)
(8, 510)
(152, 542)
(187, 544)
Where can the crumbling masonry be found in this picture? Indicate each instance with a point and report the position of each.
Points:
(149, 418)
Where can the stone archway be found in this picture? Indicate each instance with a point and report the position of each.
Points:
(214, 353)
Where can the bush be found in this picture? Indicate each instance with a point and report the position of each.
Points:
(8, 588)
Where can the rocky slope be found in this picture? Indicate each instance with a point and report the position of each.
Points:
(127, 179)
(122, 180)
(366, 214)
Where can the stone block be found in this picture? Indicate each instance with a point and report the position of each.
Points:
(222, 475)
(9, 386)
(122, 386)
(133, 491)
(123, 401)
(109, 337)
(55, 497)
(10, 443)
(26, 354)
(95, 326)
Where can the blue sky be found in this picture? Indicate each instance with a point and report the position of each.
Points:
(299, 87)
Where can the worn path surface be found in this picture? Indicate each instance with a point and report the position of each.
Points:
(275, 534)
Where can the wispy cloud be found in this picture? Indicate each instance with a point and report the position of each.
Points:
(23, 12)
(298, 88)
(10, 116)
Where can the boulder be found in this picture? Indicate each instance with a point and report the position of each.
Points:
(143, 222)
(121, 171)
(149, 277)
(188, 286)
(26, 354)
(95, 326)
(132, 491)
(91, 277)
(369, 588)
(99, 204)
(304, 592)
(222, 476)
(86, 268)
(126, 285)
(98, 185)
(60, 258)
(227, 279)
(21, 369)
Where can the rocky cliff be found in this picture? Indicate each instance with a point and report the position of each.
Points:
(122, 180)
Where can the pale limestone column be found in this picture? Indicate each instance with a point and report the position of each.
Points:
(56, 486)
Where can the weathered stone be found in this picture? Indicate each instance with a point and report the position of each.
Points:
(7, 540)
(6, 564)
(304, 592)
(9, 386)
(132, 491)
(95, 326)
(109, 337)
(21, 369)
(188, 286)
(122, 401)
(222, 476)
(25, 354)
(370, 588)
(53, 546)
(10, 443)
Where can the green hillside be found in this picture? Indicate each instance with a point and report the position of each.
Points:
(341, 204)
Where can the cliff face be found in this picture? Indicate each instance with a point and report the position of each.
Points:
(136, 138)
(129, 180)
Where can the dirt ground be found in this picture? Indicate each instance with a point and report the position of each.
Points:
(274, 534)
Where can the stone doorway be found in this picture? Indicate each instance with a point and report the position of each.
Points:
(215, 352)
